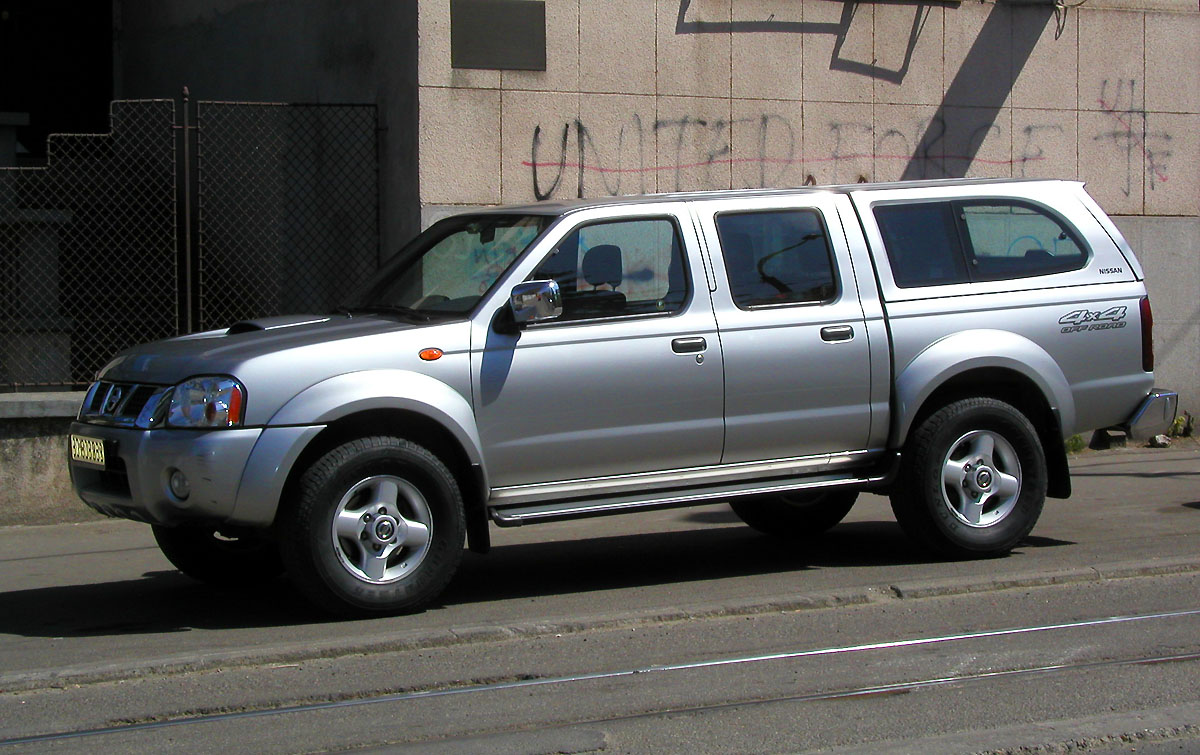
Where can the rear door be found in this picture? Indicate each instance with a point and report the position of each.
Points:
(793, 332)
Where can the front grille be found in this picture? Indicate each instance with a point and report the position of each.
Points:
(124, 404)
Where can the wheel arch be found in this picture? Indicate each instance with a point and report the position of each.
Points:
(418, 428)
(1017, 372)
(400, 403)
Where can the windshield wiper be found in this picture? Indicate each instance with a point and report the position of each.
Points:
(384, 309)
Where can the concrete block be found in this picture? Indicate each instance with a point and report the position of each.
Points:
(41, 404)
(433, 52)
(768, 64)
(1172, 70)
(832, 73)
(691, 61)
(978, 142)
(911, 70)
(1048, 78)
(460, 146)
(1045, 143)
(35, 484)
(617, 56)
(693, 136)
(619, 144)
(838, 142)
(539, 146)
(1167, 250)
(1111, 49)
(1111, 161)
(1176, 345)
(768, 144)
(1102, 440)
(899, 132)
(1171, 151)
(562, 53)
(962, 27)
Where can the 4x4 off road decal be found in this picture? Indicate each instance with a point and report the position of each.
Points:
(1083, 319)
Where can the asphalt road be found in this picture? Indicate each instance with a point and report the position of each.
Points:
(678, 631)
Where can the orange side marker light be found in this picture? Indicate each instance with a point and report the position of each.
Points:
(430, 355)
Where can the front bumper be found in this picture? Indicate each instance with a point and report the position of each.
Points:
(138, 465)
(1154, 415)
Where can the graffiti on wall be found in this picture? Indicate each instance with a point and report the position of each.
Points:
(575, 158)
(644, 154)
(1129, 132)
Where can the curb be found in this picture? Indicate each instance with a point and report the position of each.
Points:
(483, 633)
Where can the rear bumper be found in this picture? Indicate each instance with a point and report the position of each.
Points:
(1154, 415)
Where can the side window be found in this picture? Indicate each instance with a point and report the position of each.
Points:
(922, 244)
(616, 268)
(776, 257)
(1010, 240)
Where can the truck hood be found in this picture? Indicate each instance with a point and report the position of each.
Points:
(275, 358)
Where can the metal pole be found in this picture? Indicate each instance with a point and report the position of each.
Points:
(187, 215)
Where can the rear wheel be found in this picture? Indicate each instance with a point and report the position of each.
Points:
(973, 481)
(207, 554)
(795, 515)
(378, 528)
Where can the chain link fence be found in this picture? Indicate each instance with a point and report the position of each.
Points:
(87, 249)
(94, 256)
(288, 200)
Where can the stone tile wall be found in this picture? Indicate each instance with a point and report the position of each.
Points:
(664, 95)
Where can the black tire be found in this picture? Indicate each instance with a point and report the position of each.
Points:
(399, 521)
(795, 515)
(204, 553)
(959, 499)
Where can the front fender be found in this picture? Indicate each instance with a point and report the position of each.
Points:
(330, 400)
(308, 412)
(959, 353)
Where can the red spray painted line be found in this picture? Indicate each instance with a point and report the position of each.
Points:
(768, 160)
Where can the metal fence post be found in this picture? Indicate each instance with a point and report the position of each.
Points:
(187, 216)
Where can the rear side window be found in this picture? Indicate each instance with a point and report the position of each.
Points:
(1017, 240)
(922, 244)
(938, 243)
(776, 257)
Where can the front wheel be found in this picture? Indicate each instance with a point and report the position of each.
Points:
(378, 528)
(973, 481)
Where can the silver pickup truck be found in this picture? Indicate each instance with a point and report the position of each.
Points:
(778, 350)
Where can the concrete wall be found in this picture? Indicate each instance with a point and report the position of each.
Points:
(35, 486)
(665, 95)
(319, 51)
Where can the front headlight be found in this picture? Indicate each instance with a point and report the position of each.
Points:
(207, 402)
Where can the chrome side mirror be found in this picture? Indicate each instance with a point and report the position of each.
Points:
(535, 301)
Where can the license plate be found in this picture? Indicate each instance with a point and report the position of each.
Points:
(87, 450)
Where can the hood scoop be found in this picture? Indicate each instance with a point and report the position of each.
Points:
(275, 323)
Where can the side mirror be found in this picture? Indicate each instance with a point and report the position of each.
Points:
(535, 301)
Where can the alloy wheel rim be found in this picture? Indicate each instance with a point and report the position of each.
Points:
(382, 529)
(981, 478)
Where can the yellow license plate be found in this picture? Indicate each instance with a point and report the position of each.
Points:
(87, 450)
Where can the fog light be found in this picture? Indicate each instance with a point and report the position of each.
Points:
(180, 487)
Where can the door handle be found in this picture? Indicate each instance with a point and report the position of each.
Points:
(689, 345)
(835, 333)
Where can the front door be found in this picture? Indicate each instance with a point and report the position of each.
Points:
(628, 379)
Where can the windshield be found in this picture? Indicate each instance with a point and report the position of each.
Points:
(450, 266)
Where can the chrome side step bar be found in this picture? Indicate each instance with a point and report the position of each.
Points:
(514, 516)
